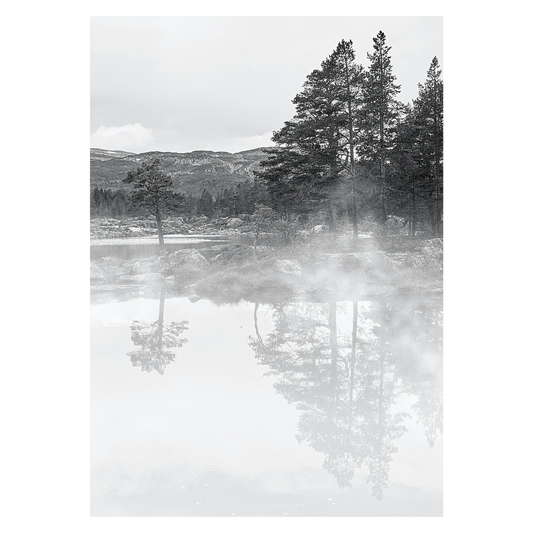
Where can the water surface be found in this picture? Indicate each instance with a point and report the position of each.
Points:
(286, 409)
(147, 246)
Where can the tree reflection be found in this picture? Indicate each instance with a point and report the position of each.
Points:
(414, 329)
(156, 340)
(346, 386)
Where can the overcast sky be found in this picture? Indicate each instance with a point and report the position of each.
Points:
(225, 83)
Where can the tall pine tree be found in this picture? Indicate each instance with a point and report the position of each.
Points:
(405, 172)
(318, 145)
(428, 111)
(348, 85)
(379, 117)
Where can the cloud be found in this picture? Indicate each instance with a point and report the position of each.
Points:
(131, 138)
(256, 141)
(240, 144)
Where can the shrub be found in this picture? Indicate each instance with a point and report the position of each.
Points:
(284, 228)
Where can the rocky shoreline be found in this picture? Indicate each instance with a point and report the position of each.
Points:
(111, 228)
(237, 270)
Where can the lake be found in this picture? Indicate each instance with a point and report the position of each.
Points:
(142, 247)
(147, 246)
(292, 408)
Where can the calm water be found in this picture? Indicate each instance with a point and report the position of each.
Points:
(141, 247)
(148, 246)
(291, 409)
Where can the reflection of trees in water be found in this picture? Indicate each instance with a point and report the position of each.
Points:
(157, 341)
(414, 330)
(346, 386)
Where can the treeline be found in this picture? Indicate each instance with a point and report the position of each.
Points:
(230, 202)
(109, 203)
(352, 146)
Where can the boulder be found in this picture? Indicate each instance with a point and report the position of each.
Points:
(140, 278)
(139, 267)
(234, 223)
(221, 251)
(289, 267)
(234, 252)
(357, 261)
(417, 260)
(188, 266)
(96, 272)
(432, 247)
(154, 277)
(186, 258)
(320, 228)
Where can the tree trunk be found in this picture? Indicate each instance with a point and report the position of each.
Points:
(413, 219)
(354, 206)
(332, 222)
(352, 149)
(160, 319)
(382, 190)
(332, 323)
(354, 349)
(159, 228)
(255, 323)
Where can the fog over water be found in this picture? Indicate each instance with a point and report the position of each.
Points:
(294, 408)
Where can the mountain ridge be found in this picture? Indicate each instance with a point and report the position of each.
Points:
(191, 172)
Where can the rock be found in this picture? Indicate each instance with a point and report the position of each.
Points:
(140, 278)
(289, 267)
(357, 260)
(234, 223)
(234, 252)
(140, 268)
(188, 266)
(320, 228)
(194, 298)
(154, 277)
(186, 258)
(96, 272)
(419, 261)
(432, 247)
(189, 289)
(220, 251)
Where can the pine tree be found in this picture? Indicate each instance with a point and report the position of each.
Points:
(152, 191)
(404, 172)
(303, 171)
(428, 111)
(349, 81)
(379, 117)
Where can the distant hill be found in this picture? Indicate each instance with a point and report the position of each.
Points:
(98, 154)
(191, 172)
